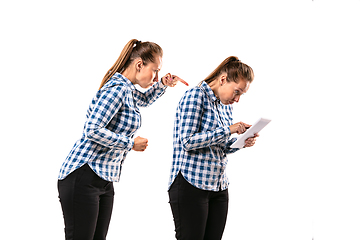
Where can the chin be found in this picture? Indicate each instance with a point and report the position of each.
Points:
(146, 86)
(227, 102)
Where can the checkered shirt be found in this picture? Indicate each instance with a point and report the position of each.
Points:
(112, 119)
(202, 139)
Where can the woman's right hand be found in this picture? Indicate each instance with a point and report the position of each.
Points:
(140, 144)
(239, 127)
(172, 80)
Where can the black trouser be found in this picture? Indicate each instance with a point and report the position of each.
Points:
(198, 214)
(87, 202)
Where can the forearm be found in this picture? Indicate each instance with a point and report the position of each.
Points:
(205, 139)
(109, 139)
(150, 96)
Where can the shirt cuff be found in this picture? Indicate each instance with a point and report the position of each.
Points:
(161, 85)
(130, 145)
(227, 132)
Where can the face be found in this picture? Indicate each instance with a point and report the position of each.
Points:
(230, 92)
(148, 74)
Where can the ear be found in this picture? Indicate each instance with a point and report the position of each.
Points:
(138, 65)
(223, 79)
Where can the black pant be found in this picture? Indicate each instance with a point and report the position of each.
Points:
(198, 214)
(87, 202)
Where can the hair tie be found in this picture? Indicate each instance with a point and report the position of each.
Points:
(137, 43)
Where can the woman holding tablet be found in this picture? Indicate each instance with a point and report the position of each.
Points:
(203, 125)
(86, 177)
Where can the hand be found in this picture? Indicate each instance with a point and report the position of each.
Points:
(172, 80)
(140, 144)
(239, 127)
(251, 141)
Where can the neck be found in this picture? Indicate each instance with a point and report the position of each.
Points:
(214, 85)
(130, 74)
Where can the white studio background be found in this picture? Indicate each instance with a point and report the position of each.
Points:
(300, 181)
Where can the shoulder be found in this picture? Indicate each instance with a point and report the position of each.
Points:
(115, 88)
(194, 92)
(115, 82)
(109, 95)
(193, 96)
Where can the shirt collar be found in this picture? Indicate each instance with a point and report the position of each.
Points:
(119, 77)
(209, 92)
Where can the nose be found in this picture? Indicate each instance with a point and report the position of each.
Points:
(237, 98)
(156, 79)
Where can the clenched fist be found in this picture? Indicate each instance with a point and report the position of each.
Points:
(140, 144)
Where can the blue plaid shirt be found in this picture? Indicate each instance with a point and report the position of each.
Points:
(202, 139)
(112, 119)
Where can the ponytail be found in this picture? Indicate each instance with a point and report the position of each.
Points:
(234, 69)
(133, 49)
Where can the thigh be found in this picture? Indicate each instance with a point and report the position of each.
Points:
(218, 209)
(189, 206)
(105, 211)
(80, 204)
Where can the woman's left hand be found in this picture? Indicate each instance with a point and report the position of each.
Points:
(172, 80)
(251, 141)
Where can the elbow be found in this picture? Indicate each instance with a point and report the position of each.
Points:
(92, 131)
(89, 133)
(185, 144)
(186, 147)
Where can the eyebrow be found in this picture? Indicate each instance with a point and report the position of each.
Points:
(239, 89)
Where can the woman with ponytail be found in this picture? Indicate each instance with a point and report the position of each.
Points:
(203, 125)
(86, 177)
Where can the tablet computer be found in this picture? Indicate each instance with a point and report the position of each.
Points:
(255, 128)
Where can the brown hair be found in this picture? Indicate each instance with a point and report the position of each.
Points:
(234, 69)
(147, 51)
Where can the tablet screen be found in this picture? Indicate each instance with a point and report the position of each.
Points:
(255, 128)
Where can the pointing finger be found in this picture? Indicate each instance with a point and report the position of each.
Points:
(181, 80)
